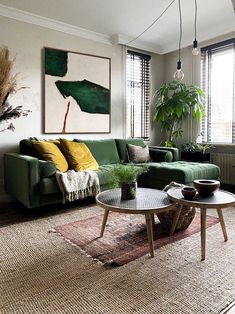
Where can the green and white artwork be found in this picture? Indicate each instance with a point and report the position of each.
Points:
(77, 92)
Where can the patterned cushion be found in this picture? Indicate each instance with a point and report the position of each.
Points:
(137, 153)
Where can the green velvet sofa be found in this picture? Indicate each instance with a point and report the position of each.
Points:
(32, 181)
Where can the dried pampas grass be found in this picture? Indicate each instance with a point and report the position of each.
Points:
(8, 86)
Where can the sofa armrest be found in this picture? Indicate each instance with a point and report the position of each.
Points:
(159, 155)
(173, 150)
(46, 168)
(22, 175)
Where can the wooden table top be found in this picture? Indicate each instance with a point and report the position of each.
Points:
(219, 199)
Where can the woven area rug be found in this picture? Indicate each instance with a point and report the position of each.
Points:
(125, 237)
(40, 273)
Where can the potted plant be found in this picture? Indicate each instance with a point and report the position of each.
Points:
(196, 152)
(125, 176)
(174, 102)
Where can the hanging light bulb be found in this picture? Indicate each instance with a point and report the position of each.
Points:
(195, 50)
(179, 74)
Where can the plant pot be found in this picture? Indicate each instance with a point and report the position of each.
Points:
(195, 156)
(128, 191)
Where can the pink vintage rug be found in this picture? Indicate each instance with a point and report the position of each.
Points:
(125, 236)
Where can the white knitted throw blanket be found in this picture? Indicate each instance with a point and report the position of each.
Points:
(78, 185)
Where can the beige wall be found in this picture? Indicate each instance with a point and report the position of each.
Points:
(25, 41)
(158, 71)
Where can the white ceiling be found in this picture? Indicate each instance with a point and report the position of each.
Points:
(121, 20)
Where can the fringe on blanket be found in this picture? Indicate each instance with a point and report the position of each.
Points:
(78, 185)
(78, 195)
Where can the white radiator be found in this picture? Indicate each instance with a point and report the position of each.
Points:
(226, 162)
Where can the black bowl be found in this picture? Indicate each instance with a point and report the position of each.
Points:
(188, 192)
(206, 187)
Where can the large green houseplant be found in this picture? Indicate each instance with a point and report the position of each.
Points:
(174, 101)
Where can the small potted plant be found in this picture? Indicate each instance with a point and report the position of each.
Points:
(196, 152)
(125, 177)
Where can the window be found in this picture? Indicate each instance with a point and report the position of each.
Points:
(218, 82)
(138, 93)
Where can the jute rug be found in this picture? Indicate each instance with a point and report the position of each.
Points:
(125, 237)
(42, 273)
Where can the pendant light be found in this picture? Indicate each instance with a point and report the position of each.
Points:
(179, 74)
(195, 50)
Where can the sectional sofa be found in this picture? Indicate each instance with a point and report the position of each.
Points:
(32, 181)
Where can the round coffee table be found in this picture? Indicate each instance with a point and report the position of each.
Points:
(220, 199)
(147, 202)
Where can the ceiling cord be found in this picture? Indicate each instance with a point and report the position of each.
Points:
(151, 24)
(195, 20)
(180, 38)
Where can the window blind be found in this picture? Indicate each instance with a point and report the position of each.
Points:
(218, 83)
(138, 94)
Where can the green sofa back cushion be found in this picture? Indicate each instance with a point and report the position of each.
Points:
(121, 146)
(104, 151)
(27, 148)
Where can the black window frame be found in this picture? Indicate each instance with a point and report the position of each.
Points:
(144, 84)
(206, 55)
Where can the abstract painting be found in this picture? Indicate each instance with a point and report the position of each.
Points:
(77, 92)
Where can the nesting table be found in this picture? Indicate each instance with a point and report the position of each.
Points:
(220, 199)
(147, 202)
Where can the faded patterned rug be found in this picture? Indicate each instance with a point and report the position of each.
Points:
(125, 236)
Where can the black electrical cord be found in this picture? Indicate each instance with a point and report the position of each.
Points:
(151, 23)
(180, 38)
(195, 20)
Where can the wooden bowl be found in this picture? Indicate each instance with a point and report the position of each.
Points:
(206, 187)
(188, 192)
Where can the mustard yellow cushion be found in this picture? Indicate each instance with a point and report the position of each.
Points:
(78, 155)
(50, 151)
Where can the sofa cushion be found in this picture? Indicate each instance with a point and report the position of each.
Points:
(104, 151)
(122, 149)
(49, 186)
(27, 148)
(104, 173)
(137, 153)
(78, 155)
(161, 174)
(50, 151)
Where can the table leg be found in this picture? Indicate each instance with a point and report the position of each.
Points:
(106, 213)
(176, 218)
(153, 220)
(203, 233)
(222, 224)
(149, 225)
